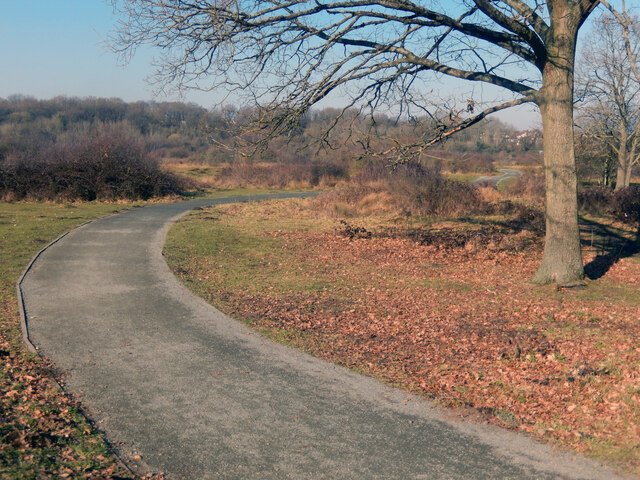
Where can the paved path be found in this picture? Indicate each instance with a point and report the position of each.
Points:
(496, 179)
(197, 395)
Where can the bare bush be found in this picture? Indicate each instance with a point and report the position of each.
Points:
(530, 186)
(627, 205)
(623, 204)
(596, 199)
(472, 162)
(424, 191)
(409, 188)
(105, 166)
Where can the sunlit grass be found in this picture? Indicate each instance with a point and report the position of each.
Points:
(24, 229)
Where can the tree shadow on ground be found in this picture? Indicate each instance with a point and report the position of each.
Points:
(610, 244)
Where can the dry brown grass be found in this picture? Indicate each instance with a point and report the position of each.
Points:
(279, 175)
(490, 194)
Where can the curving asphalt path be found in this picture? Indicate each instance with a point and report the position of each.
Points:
(496, 179)
(180, 388)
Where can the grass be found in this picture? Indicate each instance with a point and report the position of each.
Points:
(246, 253)
(503, 185)
(461, 326)
(42, 433)
(193, 170)
(470, 177)
(205, 178)
(208, 192)
(260, 175)
(463, 177)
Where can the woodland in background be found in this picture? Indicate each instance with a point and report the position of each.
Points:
(96, 148)
(72, 148)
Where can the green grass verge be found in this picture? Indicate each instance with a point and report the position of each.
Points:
(229, 192)
(504, 184)
(197, 172)
(42, 435)
(247, 254)
(463, 177)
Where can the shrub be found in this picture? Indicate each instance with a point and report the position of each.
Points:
(626, 205)
(421, 190)
(527, 218)
(472, 163)
(280, 175)
(596, 199)
(373, 172)
(623, 204)
(108, 165)
(355, 200)
(327, 172)
(411, 188)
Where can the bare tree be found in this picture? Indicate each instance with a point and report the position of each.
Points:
(594, 158)
(291, 54)
(610, 108)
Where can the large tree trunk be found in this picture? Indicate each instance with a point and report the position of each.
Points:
(627, 175)
(562, 258)
(624, 162)
(621, 173)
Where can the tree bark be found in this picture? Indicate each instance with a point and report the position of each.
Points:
(633, 157)
(625, 165)
(620, 174)
(631, 154)
(562, 257)
(627, 173)
(624, 161)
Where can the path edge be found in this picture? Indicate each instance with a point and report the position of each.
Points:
(24, 324)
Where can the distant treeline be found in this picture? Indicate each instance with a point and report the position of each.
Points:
(28, 125)
(87, 149)
(173, 130)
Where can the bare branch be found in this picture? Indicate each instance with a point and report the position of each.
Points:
(626, 22)
(514, 25)
(405, 152)
(609, 110)
(531, 16)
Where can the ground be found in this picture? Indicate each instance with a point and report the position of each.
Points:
(43, 433)
(453, 320)
(457, 323)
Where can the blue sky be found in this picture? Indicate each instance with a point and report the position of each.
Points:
(56, 47)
